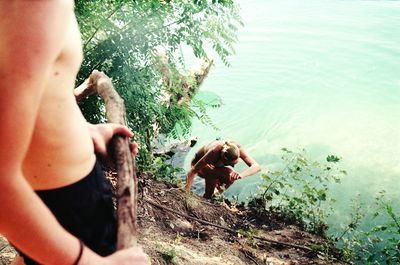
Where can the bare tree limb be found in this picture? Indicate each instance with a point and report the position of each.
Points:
(84, 90)
(101, 84)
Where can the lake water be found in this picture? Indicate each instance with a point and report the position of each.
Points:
(320, 75)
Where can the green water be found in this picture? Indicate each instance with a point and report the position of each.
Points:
(319, 75)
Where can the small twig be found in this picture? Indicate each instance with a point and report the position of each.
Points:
(98, 28)
(246, 253)
(227, 228)
(392, 215)
(122, 30)
(3, 247)
(249, 257)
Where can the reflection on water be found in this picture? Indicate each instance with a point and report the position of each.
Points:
(320, 75)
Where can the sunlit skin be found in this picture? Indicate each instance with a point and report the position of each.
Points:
(217, 170)
(45, 142)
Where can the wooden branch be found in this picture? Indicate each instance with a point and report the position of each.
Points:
(227, 228)
(201, 73)
(184, 81)
(246, 253)
(125, 164)
(84, 90)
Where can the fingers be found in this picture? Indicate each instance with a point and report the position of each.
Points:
(121, 129)
(235, 176)
(134, 148)
(125, 131)
(99, 145)
(108, 130)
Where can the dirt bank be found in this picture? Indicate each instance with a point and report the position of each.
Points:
(177, 228)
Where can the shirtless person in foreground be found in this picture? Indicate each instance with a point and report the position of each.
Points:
(47, 149)
(214, 162)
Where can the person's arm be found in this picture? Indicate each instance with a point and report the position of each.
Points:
(189, 180)
(253, 168)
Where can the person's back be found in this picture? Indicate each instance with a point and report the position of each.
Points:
(45, 142)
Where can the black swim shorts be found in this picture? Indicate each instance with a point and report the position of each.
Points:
(86, 210)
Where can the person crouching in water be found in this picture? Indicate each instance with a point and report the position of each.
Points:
(214, 162)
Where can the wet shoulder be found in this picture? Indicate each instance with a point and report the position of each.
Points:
(215, 146)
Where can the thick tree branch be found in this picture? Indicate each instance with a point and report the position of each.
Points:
(101, 84)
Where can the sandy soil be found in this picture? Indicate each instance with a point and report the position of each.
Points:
(173, 229)
(175, 233)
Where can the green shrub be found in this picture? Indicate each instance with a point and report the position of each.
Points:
(300, 191)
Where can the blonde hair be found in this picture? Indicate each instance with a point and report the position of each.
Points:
(230, 151)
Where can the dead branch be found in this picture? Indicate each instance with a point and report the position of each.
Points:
(247, 253)
(84, 90)
(101, 84)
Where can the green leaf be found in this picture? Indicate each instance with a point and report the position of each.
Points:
(332, 158)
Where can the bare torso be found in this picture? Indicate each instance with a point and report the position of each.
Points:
(61, 150)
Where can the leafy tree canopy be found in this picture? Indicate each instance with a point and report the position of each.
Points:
(120, 38)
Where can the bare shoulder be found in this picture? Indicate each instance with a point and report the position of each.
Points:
(235, 143)
(216, 146)
(212, 151)
(243, 153)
